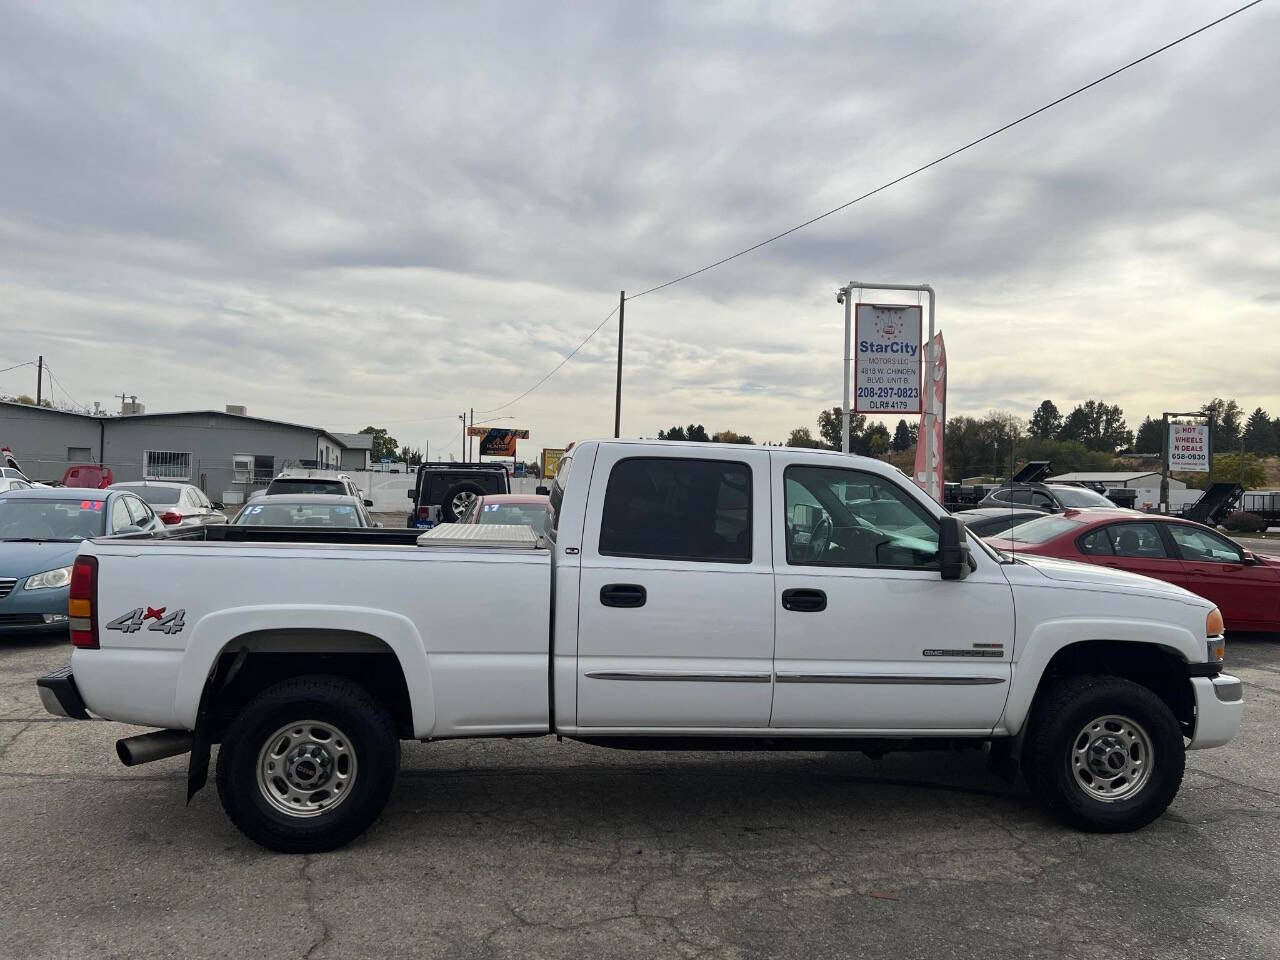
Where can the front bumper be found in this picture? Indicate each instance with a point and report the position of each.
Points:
(60, 696)
(1219, 708)
(29, 611)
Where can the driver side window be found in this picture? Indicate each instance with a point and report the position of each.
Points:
(847, 518)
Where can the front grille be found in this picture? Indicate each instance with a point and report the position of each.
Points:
(6, 586)
(21, 619)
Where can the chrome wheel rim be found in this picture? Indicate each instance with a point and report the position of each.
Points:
(306, 768)
(1111, 758)
(461, 502)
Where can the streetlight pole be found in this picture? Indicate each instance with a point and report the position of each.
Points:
(463, 418)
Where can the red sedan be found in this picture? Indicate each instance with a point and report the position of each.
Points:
(1245, 586)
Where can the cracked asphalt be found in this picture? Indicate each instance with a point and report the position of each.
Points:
(542, 849)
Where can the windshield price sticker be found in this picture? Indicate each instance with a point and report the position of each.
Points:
(1189, 447)
(887, 359)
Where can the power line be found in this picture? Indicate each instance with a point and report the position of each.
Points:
(16, 366)
(556, 368)
(953, 153)
(885, 186)
(74, 402)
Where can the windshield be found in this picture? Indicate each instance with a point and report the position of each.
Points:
(1081, 497)
(155, 495)
(521, 514)
(70, 519)
(1041, 530)
(305, 486)
(299, 515)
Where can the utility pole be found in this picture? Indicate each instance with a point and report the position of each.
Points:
(470, 445)
(463, 418)
(39, 378)
(1164, 467)
(617, 401)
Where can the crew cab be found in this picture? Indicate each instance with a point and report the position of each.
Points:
(692, 594)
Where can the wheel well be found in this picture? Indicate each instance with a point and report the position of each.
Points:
(1159, 669)
(255, 661)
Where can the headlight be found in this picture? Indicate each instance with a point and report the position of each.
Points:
(49, 579)
(1214, 629)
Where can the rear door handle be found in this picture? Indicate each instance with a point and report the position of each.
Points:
(804, 600)
(623, 595)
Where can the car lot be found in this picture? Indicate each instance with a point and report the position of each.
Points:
(538, 848)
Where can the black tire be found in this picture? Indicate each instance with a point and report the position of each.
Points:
(1059, 728)
(447, 513)
(370, 738)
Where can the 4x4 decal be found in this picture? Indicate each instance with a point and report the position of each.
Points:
(132, 621)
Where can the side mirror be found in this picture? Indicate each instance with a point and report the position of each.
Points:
(411, 494)
(1250, 559)
(125, 531)
(368, 503)
(219, 505)
(953, 551)
(542, 491)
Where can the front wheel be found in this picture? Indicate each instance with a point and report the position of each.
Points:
(308, 765)
(1104, 754)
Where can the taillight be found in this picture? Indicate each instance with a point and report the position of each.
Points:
(83, 597)
(171, 517)
(424, 512)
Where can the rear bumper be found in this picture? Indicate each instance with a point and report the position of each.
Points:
(60, 696)
(1219, 708)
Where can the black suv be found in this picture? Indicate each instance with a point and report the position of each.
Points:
(443, 491)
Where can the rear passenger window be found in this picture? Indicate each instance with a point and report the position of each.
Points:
(675, 509)
(1140, 540)
(1095, 544)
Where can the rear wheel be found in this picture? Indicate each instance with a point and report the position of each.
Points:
(308, 765)
(460, 496)
(1104, 753)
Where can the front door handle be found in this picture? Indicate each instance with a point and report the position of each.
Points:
(804, 600)
(625, 595)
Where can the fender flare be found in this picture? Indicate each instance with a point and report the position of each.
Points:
(1052, 636)
(215, 633)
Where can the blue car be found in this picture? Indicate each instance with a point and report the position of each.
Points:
(40, 532)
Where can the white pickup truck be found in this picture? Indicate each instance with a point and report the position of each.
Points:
(686, 593)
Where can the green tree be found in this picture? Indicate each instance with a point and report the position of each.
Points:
(801, 437)
(675, 433)
(1227, 416)
(905, 436)
(878, 440)
(1228, 468)
(1099, 426)
(384, 445)
(729, 436)
(1150, 438)
(1260, 433)
(829, 428)
(1046, 421)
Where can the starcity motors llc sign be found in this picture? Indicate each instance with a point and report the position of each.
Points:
(1189, 447)
(886, 359)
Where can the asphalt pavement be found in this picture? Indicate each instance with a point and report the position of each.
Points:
(533, 848)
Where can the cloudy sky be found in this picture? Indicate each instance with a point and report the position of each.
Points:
(344, 214)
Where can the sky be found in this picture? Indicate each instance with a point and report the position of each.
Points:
(385, 213)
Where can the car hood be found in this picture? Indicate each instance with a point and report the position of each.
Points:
(1092, 575)
(23, 559)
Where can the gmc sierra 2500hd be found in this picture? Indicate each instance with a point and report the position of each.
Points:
(784, 598)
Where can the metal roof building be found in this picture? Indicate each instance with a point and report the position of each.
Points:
(225, 454)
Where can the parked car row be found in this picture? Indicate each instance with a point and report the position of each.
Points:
(1245, 586)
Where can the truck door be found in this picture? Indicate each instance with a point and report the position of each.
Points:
(675, 625)
(869, 636)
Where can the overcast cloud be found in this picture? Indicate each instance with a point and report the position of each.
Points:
(344, 214)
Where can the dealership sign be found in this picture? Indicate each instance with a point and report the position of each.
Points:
(1189, 447)
(887, 355)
